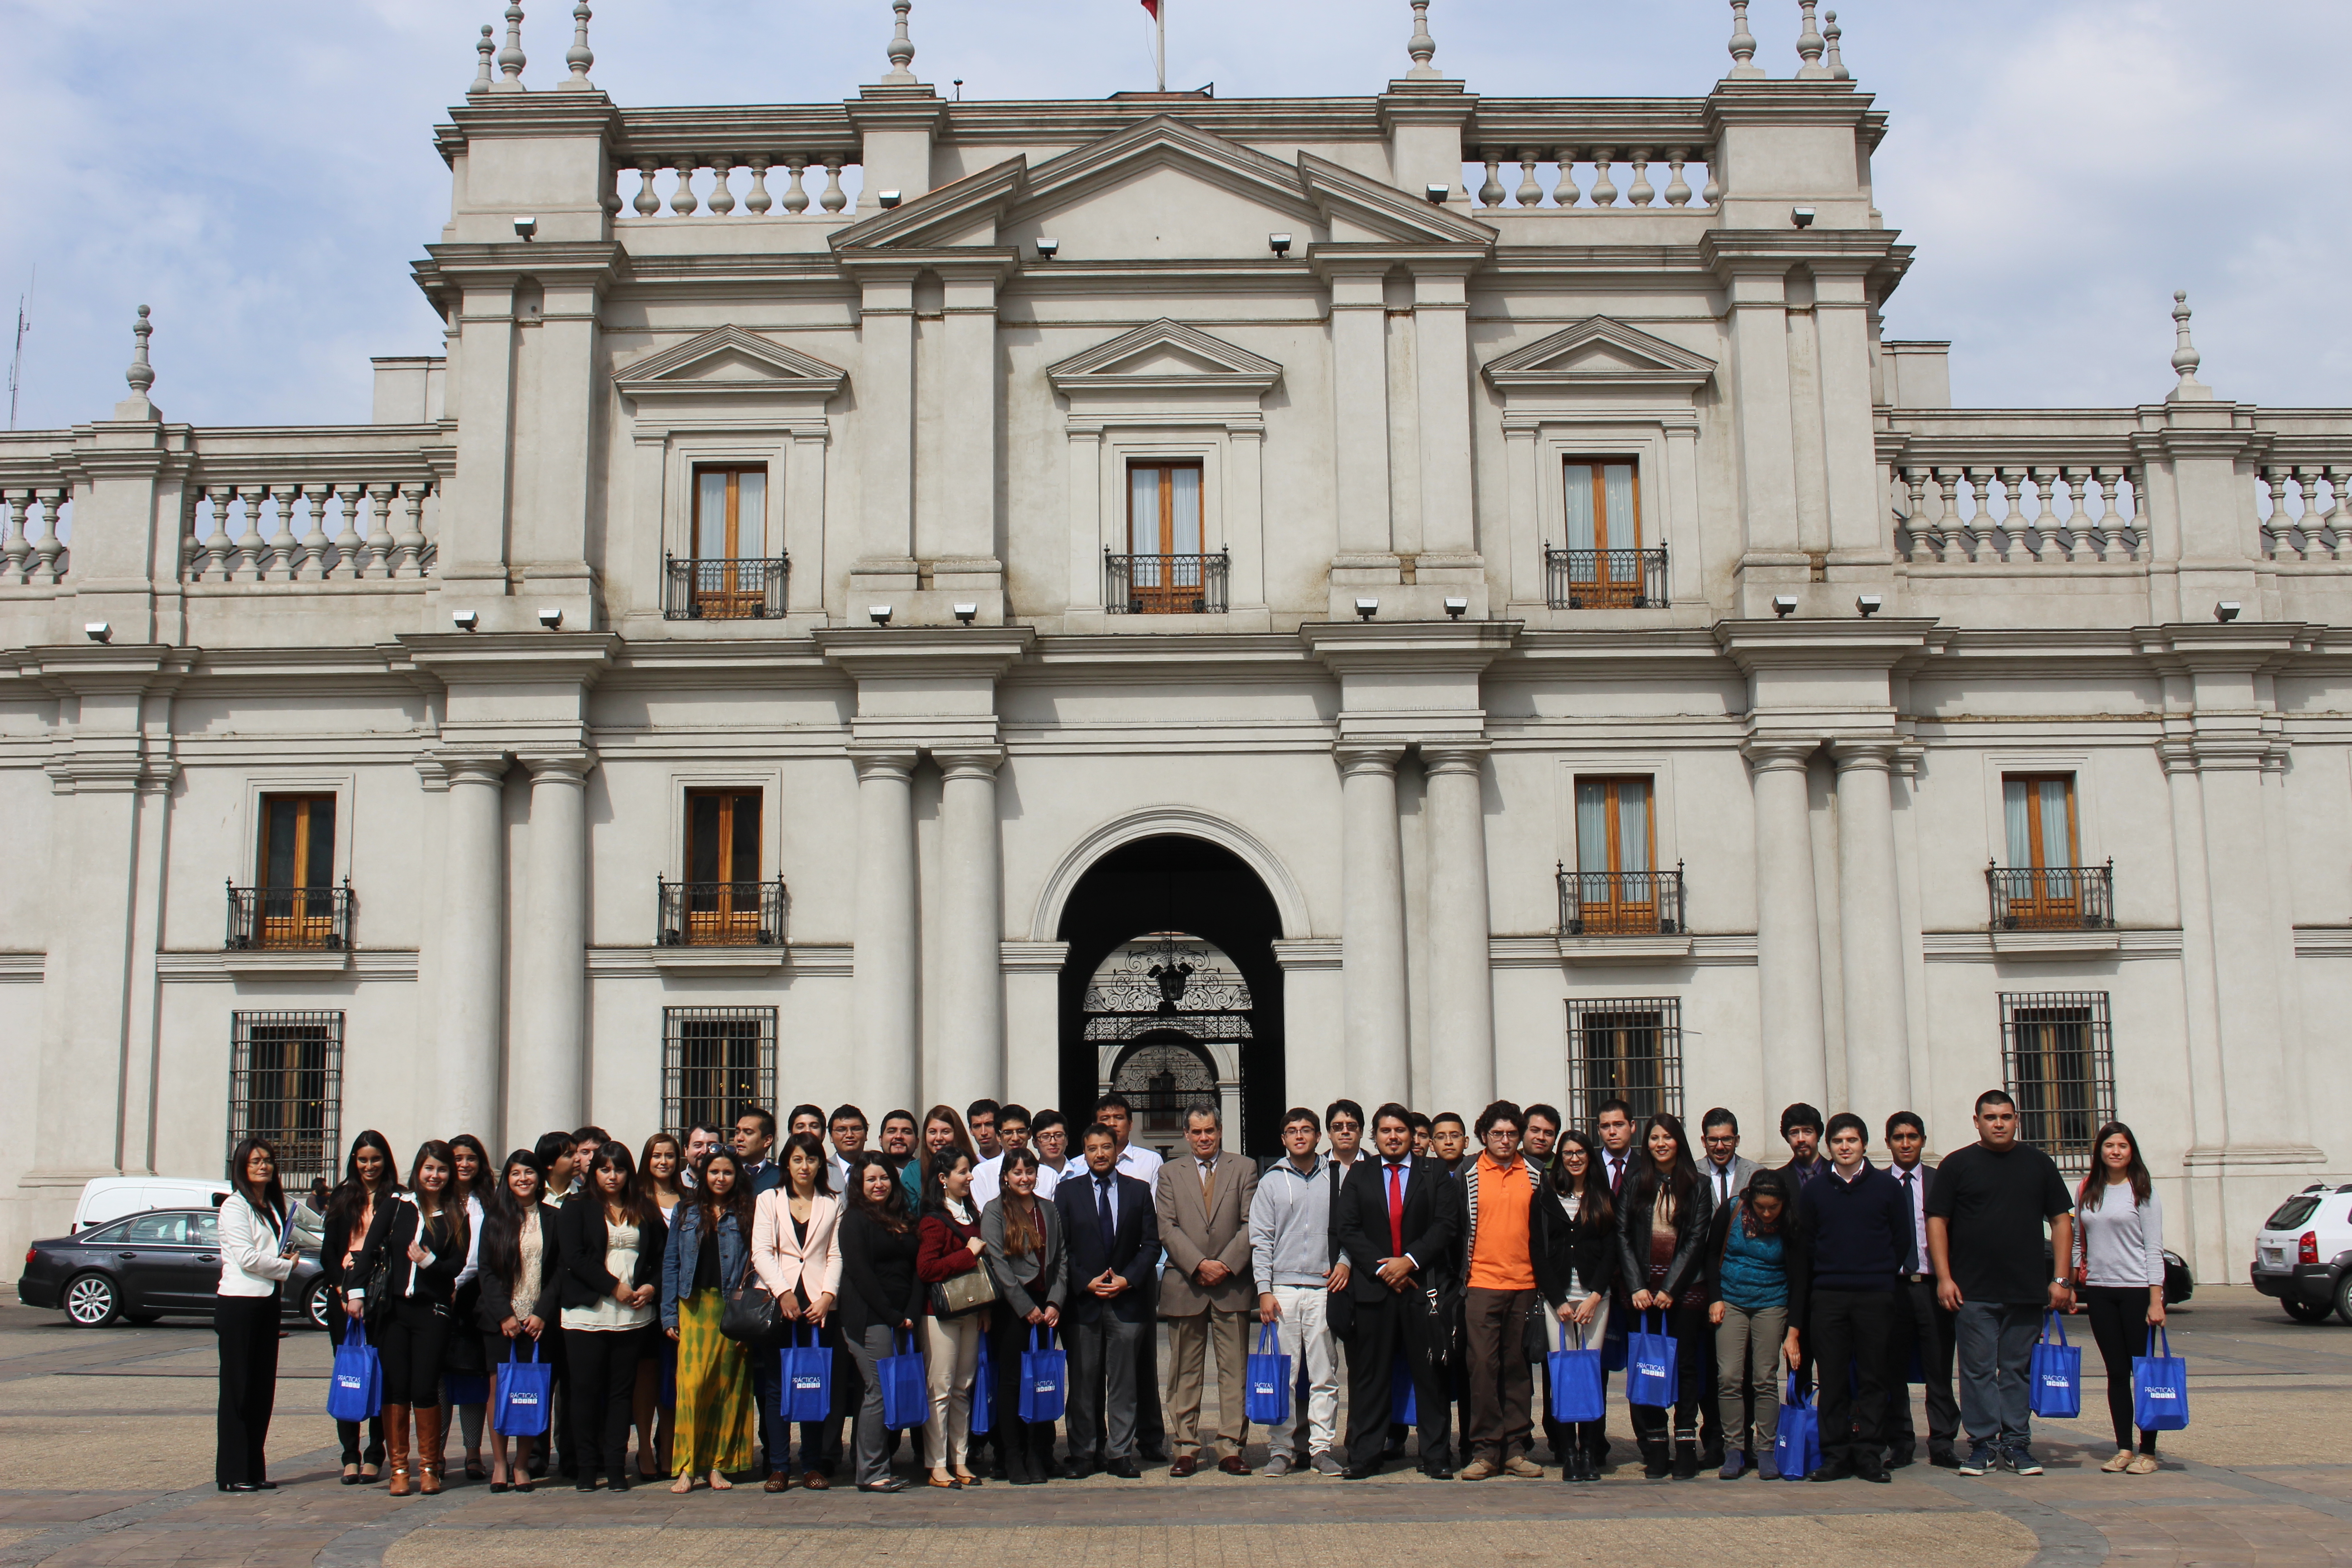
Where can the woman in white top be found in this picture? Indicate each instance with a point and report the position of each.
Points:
(792, 1255)
(2119, 1274)
(610, 1238)
(663, 1175)
(257, 1252)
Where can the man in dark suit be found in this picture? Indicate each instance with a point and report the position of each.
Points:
(1612, 1122)
(1922, 1328)
(1400, 1216)
(1114, 1241)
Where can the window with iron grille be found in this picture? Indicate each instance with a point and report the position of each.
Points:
(2058, 1062)
(716, 1061)
(286, 1084)
(1627, 1048)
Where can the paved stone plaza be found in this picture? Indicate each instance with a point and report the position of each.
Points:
(106, 1445)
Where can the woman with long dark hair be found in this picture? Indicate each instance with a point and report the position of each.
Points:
(521, 1281)
(421, 1240)
(881, 1296)
(663, 1176)
(948, 1243)
(611, 1237)
(370, 1180)
(709, 1254)
(1024, 1255)
(256, 1254)
(465, 1375)
(1662, 1234)
(1572, 1233)
(793, 1253)
(942, 1128)
(2119, 1270)
(1751, 1249)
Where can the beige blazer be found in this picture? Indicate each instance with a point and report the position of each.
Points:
(1193, 1229)
(781, 1261)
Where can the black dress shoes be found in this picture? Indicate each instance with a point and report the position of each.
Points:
(1833, 1472)
(1125, 1469)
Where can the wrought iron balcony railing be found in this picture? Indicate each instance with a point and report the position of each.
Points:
(1621, 903)
(724, 590)
(720, 914)
(1605, 579)
(291, 919)
(2053, 898)
(1165, 585)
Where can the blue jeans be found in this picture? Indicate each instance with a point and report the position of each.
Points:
(1995, 1344)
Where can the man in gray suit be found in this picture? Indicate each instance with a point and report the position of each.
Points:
(1205, 1293)
(1922, 1326)
(1725, 1172)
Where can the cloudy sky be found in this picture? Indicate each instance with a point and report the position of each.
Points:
(262, 172)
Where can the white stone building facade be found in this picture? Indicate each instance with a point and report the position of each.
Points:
(1462, 581)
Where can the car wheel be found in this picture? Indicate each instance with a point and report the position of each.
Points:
(2304, 1311)
(318, 1306)
(91, 1300)
(2343, 1298)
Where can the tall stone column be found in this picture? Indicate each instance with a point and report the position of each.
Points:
(547, 1086)
(882, 987)
(1371, 933)
(1461, 981)
(1788, 921)
(964, 1057)
(1870, 929)
(472, 931)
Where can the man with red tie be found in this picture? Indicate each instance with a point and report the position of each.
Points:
(1398, 1217)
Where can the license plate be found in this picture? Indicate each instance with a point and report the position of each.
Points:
(2273, 1257)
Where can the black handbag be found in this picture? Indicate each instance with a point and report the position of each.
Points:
(752, 1319)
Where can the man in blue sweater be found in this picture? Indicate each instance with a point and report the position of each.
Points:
(1856, 1231)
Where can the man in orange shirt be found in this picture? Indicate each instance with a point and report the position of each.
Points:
(1501, 1281)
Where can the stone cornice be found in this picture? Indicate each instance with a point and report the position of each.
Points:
(502, 658)
(1353, 646)
(923, 653)
(1878, 642)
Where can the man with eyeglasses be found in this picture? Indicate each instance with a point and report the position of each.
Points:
(1725, 1172)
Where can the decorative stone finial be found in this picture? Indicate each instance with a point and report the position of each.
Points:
(482, 76)
(1743, 42)
(142, 375)
(1810, 44)
(902, 48)
(511, 58)
(2185, 357)
(1423, 48)
(579, 56)
(1836, 62)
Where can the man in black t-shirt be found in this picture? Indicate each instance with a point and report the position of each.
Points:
(1985, 1215)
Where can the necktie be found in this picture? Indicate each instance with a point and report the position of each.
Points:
(1908, 1210)
(1723, 1184)
(1396, 1211)
(1616, 1173)
(1208, 1184)
(1104, 1215)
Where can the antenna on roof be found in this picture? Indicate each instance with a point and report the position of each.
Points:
(16, 360)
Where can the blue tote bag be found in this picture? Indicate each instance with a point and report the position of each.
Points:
(906, 1393)
(808, 1377)
(1266, 1381)
(1044, 1375)
(1652, 1361)
(1404, 1406)
(2056, 1374)
(355, 1387)
(2160, 1388)
(983, 1394)
(1575, 1390)
(1797, 1446)
(525, 1394)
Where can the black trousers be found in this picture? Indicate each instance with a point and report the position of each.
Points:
(1856, 1328)
(247, 1329)
(1403, 1323)
(1027, 1447)
(410, 1341)
(1151, 1424)
(604, 1384)
(2119, 1323)
(1686, 1321)
(1921, 1324)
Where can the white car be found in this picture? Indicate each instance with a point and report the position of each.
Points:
(2303, 1254)
(105, 1198)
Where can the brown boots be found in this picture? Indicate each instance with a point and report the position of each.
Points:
(395, 1446)
(428, 1449)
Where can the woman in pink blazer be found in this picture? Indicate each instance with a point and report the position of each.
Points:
(797, 1262)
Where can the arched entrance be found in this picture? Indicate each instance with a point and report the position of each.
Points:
(1207, 1027)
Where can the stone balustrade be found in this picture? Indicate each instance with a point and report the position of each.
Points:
(35, 526)
(2301, 521)
(1677, 176)
(306, 529)
(2019, 513)
(670, 185)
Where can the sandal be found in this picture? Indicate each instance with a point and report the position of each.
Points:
(941, 1478)
(966, 1479)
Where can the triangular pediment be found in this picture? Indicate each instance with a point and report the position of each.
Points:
(727, 359)
(1167, 357)
(1599, 352)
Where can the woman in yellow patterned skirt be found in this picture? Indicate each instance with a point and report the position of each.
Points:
(710, 1249)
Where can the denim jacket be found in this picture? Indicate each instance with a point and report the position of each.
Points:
(685, 1246)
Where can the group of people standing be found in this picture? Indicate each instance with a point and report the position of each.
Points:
(1443, 1265)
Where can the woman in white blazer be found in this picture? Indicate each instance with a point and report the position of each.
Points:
(794, 1255)
(256, 1254)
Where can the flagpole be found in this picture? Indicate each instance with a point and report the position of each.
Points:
(1159, 51)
